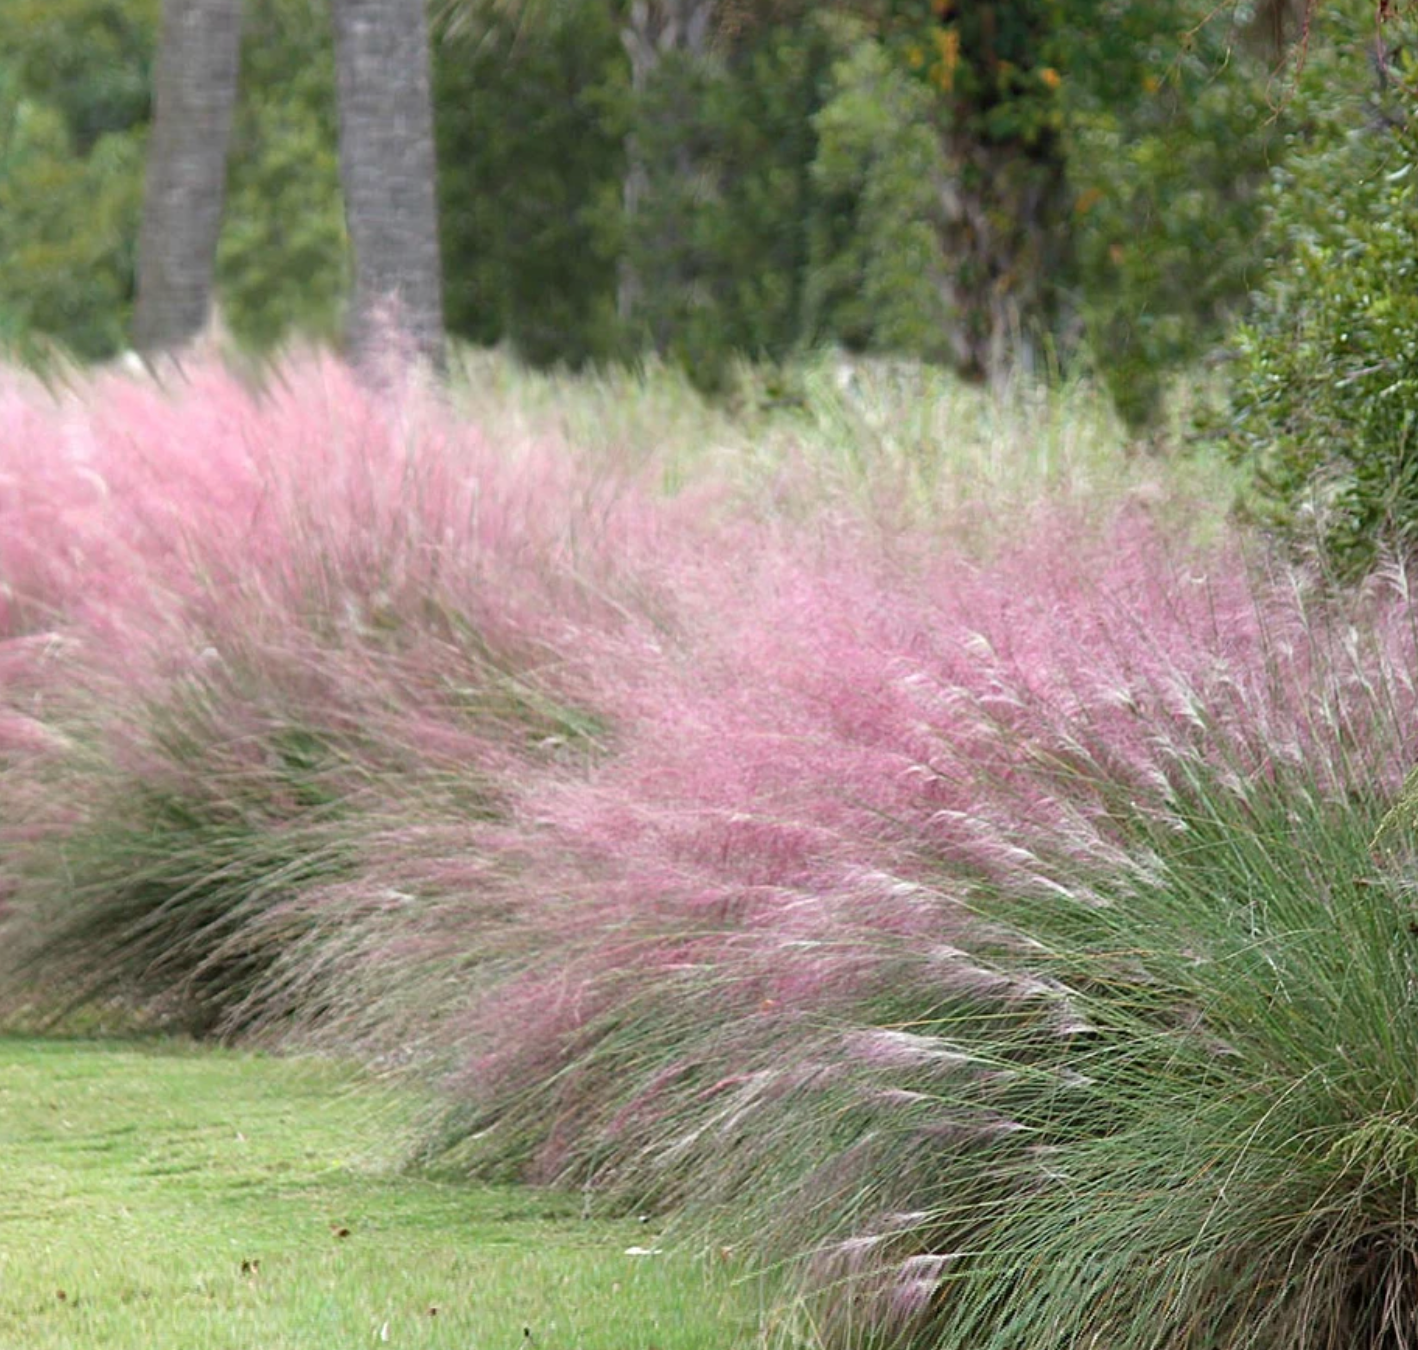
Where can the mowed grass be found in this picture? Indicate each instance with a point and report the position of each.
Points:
(154, 1195)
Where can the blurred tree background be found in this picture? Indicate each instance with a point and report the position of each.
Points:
(283, 258)
(75, 77)
(1134, 189)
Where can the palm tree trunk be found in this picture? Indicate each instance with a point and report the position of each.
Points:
(194, 94)
(388, 172)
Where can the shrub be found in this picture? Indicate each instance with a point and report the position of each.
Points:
(529, 212)
(283, 259)
(73, 104)
(1168, 181)
(1325, 376)
(878, 281)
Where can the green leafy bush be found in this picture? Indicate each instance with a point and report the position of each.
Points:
(1323, 397)
(878, 280)
(725, 235)
(755, 226)
(283, 258)
(1168, 180)
(530, 166)
(73, 116)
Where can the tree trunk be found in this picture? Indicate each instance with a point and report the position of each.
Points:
(194, 94)
(1276, 24)
(1006, 214)
(1006, 243)
(388, 172)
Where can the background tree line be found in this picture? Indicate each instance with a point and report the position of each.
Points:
(693, 177)
(984, 185)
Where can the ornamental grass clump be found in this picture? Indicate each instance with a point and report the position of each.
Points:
(999, 947)
(794, 838)
(1170, 1103)
(1215, 1150)
(247, 639)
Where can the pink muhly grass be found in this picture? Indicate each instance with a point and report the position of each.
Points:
(122, 496)
(836, 761)
(292, 621)
(775, 881)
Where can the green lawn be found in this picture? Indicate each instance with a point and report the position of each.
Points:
(157, 1196)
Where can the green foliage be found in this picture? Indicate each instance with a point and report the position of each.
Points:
(672, 234)
(891, 181)
(283, 258)
(876, 281)
(1400, 822)
(1190, 1124)
(530, 156)
(913, 442)
(721, 240)
(1326, 381)
(1167, 179)
(1234, 1166)
(73, 111)
(1097, 172)
(1007, 172)
(89, 60)
(993, 74)
(160, 879)
(762, 119)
